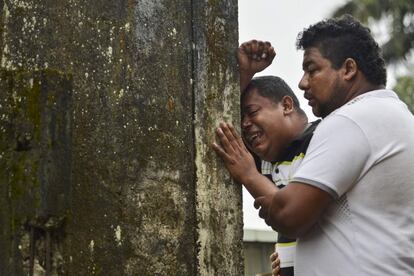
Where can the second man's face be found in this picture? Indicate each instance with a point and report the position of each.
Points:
(321, 83)
(263, 126)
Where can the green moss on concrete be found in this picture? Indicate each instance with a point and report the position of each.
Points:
(24, 151)
(133, 146)
(217, 99)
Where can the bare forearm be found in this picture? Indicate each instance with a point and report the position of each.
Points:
(294, 209)
(282, 219)
(245, 78)
(253, 56)
(259, 185)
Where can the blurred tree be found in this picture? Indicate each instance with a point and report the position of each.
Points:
(399, 44)
(405, 89)
(400, 13)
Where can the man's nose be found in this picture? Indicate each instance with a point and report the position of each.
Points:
(245, 123)
(304, 82)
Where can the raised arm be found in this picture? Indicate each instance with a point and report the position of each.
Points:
(253, 56)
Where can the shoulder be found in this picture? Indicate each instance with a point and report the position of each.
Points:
(374, 113)
(370, 105)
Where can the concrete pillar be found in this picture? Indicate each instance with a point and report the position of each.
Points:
(216, 99)
(107, 113)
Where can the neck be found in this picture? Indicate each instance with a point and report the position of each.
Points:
(362, 86)
(301, 122)
(298, 126)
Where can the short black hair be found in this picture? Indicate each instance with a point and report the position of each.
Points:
(340, 38)
(273, 88)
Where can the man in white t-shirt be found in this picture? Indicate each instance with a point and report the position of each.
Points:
(350, 203)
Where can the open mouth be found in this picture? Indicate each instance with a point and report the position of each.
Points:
(253, 138)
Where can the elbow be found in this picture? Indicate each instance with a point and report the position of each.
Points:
(296, 209)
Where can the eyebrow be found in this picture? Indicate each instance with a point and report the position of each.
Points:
(245, 109)
(306, 64)
(249, 106)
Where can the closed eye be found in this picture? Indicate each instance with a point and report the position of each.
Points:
(253, 112)
(311, 69)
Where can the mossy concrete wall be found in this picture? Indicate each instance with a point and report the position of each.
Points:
(107, 112)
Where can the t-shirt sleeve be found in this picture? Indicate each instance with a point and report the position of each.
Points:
(336, 156)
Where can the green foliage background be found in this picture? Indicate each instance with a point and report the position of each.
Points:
(399, 47)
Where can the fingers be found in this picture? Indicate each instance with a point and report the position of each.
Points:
(275, 263)
(273, 257)
(222, 153)
(258, 202)
(271, 53)
(232, 136)
(263, 214)
(235, 142)
(258, 50)
(232, 145)
(276, 271)
(246, 47)
(237, 137)
(226, 138)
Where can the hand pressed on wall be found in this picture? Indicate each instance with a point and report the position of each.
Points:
(237, 159)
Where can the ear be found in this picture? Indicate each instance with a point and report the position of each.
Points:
(287, 104)
(350, 68)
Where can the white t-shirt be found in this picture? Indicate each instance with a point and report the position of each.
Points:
(363, 155)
